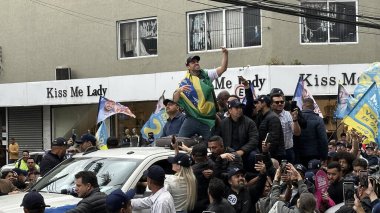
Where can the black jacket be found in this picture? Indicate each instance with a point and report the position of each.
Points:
(48, 162)
(313, 139)
(271, 124)
(247, 137)
(94, 202)
(221, 207)
(245, 201)
(202, 185)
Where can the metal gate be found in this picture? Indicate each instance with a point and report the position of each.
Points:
(25, 125)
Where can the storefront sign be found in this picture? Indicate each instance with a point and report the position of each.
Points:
(320, 79)
(75, 92)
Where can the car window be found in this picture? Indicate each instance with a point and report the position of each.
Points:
(111, 173)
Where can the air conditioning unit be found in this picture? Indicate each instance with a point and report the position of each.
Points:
(62, 73)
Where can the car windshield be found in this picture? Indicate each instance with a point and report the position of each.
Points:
(112, 173)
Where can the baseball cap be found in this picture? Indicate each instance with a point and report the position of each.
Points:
(264, 98)
(20, 172)
(166, 101)
(235, 170)
(181, 159)
(276, 91)
(189, 59)
(301, 168)
(86, 137)
(234, 103)
(331, 154)
(314, 164)
(117, 199)
(370, 146)
(155, 172)
(59, 142)
(199, 150)
(33, 200)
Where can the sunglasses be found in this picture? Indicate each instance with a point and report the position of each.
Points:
(279, 102)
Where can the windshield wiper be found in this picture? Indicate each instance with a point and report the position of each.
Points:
(52, 181)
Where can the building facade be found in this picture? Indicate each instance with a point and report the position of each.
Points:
(131, 51)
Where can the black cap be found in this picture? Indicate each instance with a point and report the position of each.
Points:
(264, 99)
(59, 142)
(86, 137)
(189, 59)
(234, 103)
(181, 159)
(33, 200)
(276, 91)
(166, 101)
(156, 173)
(117, 199)
(370, 146)
(20, 172)
(235, 170)
(300, 168)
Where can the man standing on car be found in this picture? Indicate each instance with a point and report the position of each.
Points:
(87, 187)
(55, 156)
(161, 200)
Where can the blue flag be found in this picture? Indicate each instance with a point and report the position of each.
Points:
(364, 116)
(301, 93)
(155, 124)
(102, 135)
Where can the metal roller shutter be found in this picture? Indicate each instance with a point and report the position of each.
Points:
(25, 125)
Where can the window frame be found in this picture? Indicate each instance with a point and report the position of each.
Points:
(137, 21)
(329, 24)
(223, 10)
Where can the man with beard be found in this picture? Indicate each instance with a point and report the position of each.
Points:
(197, 97)
(241, 197)
(222, 157)
(335, 190)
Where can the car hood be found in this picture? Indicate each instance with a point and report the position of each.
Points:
(11, 203)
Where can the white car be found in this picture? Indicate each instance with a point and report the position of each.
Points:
(115, 168)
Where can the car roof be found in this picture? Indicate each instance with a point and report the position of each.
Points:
(128, 152)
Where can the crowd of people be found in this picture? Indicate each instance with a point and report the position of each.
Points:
(264, 155)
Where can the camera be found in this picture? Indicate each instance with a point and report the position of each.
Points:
(283, 166)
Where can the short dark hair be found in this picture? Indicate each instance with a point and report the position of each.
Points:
(31, 158)
(360, 162)
(27, 151)
(332, 143)
(157, 183)
(88, 177)
(216, 189)
(334, 165)
(276, 95)
(216, 138)
(307, 203)
(112, 142)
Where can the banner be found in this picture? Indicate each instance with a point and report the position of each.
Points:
(343, 103)
(364, 117)
(108, 108)
(101, 136)
(303, 92)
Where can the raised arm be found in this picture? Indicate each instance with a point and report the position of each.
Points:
(223, 67)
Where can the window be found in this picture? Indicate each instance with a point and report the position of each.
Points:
(318, 31)
(137, 38)
(233, 28)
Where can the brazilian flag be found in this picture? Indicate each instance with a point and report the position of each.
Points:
(199, 101)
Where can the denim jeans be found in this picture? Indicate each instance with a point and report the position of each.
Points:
(192, 126)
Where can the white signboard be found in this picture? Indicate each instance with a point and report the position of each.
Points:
(321, 80)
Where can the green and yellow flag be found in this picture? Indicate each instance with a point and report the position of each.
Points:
(199, 101)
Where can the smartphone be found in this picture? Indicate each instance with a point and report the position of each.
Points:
(348, 193)
(363, 178)
(266, 138)
(283, 166)
(259, 157)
